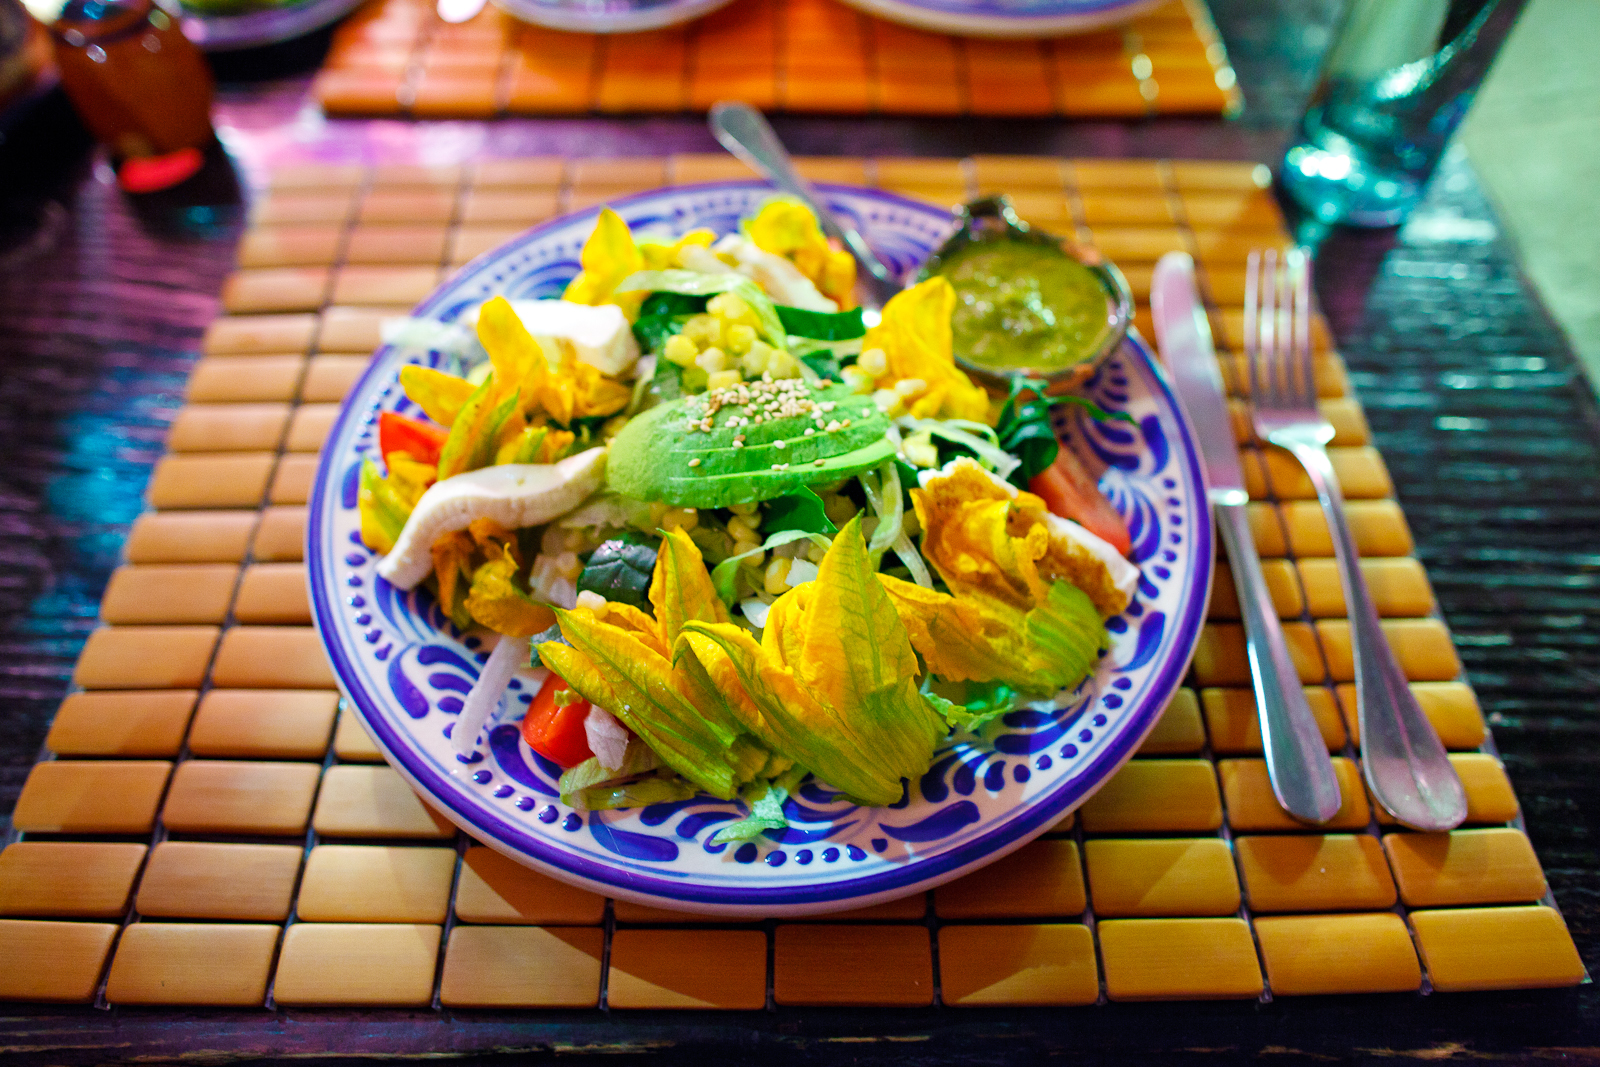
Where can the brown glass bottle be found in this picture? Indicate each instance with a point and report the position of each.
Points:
(139, 85)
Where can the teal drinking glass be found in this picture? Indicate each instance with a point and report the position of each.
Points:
(1396, 82)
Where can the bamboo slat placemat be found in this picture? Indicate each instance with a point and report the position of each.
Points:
(211, 828)
(395, 57)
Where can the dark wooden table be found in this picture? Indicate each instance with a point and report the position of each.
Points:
(1490, 430)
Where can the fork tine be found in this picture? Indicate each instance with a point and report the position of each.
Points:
(1252, 291)
(1302, 328)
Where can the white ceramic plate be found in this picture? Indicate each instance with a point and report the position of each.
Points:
(406, 670)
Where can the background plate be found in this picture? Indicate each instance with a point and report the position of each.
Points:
(608, 16)
(1007, 18)
(406, 670)
(252, 29)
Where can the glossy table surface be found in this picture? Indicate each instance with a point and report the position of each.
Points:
(1490, 430)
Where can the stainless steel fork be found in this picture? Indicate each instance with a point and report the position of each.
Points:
(1402, 758)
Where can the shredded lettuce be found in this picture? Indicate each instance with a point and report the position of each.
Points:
(985, 448)
(766, 813)
(888, 503)
(638, 759)
(693, 283)
(723, 575)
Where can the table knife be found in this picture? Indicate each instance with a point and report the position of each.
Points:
(1298, 766)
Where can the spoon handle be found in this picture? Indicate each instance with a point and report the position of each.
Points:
(742, 130)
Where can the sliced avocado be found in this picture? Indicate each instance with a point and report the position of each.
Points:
(750, 442)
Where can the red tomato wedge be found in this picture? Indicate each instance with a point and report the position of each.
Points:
(420, 440)
(1069, 491)
(555, 733)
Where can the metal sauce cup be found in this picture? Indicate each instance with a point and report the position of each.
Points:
(992, 219)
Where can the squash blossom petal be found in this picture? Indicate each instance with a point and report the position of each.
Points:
(834, 677)
(788, 228)
(608, 256)
(618, 658)
(984, 536)
(915, 337)
(495, 601)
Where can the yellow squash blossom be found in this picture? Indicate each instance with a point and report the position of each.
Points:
(915, 338)
(495, 601)
(1025, 602)
(664, 255)
(440, 395)
(788, 228)
(984, 536)
(834, 677)
(574, 390)
(385, 502)
(608, 256)
(620, 659)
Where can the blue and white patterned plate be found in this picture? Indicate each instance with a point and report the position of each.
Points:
(1007, 18)
(608, 16)
(405, 669)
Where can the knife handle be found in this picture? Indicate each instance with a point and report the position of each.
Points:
(1297, 758)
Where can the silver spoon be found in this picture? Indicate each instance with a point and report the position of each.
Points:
(742, 130)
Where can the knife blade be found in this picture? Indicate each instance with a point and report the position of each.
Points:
(1298, 766)
(1184, 336)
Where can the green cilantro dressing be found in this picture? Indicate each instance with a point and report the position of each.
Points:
(1024, 306)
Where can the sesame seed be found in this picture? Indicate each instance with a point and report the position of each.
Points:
(779, 444)
(694, 462)
(818, 462)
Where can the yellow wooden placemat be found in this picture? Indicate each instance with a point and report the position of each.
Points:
(213, 829)
(810, 56)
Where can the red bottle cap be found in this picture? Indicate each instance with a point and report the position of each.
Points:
(149, 174)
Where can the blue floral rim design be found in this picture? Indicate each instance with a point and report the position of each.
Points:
(641, 881)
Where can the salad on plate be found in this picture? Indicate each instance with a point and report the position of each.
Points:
(731, 535)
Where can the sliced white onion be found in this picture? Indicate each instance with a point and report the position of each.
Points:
(756, 611)
(608, 738)
(508, 655)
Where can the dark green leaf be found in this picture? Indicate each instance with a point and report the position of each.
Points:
(822, 325)
(668, 381)
(652, 331)
(824, 363)
(800, 510)
(672, 304)
(621, 569)
(1035, 446)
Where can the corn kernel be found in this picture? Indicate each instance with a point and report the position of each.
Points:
(739, 338)
(731, 310)
(815, 552)
(741, 529)
(684, 519)
(746, 511)
(695, 378)
(783, 365)
(889, 402)
(874, 361)
(680, 349)
(753, 560)
(722, 379)
(776, 572)
(857, 379)
(703, 330)
(712, 360)
(920, 450)
(839, 509)
(754, 360)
